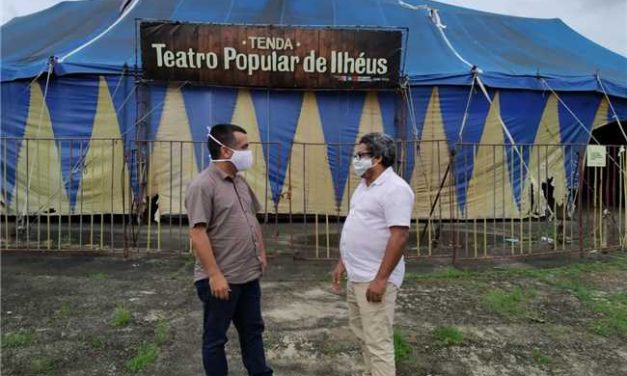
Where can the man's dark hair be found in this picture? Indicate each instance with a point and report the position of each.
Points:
(224, 134)
(380, 145)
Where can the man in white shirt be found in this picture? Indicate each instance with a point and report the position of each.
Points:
(373, 240)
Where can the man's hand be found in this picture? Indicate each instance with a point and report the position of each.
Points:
(376, 289)
(338, 273)
(264, 261)
(219, 286)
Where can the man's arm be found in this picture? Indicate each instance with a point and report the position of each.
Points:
(393, 253)
(261, 246)
(204, 252)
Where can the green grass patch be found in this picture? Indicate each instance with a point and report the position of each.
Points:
(42, 366)
(121, 317)
(96, 343)
(448, 335)
(17, 339)
(510, 305)
(146, 355)
(614, 311)
(612, 308)
(402, 348)
(98, 276)
(64, 311)
(578, 288)
(616, 262)
(161, 332)
(540, 358)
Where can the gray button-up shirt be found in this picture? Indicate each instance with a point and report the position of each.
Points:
(228, 207)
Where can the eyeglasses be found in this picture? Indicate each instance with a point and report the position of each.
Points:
(358, 156)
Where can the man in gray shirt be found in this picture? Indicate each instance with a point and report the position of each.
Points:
(230, 253)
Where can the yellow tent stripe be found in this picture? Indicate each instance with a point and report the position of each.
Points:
(39, 182)
(173, 161)
(308, 186)
(244, 116)
(100, 189)
(490, 191)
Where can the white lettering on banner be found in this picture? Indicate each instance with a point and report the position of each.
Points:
(254, 62)
(270, 43)
(182, 59)
(159, 47)
(168, 59)
(341, 61)
(312, 64)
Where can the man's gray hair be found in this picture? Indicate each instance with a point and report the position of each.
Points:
(380, 145)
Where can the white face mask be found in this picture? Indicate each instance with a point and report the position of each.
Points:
(241, 159)
(362, 165)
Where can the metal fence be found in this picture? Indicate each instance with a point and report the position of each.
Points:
(479, 201)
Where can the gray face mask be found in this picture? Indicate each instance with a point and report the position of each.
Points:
(241, 159)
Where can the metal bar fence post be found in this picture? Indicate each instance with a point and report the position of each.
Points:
(80, 218)
(39, 205)
(61, 187)
(521, 184)
(70, 193)
(112, 178)
(170, 173)
(452, 209)
(147, 171)
(5, 193)
(180, 183)
(103, 199)
(594, 213)
(123, 193)
(28, 186)
(582, 170)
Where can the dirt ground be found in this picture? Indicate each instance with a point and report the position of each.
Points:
(60, 316)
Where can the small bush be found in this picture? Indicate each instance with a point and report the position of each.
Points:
(146, 355)
(121, 317)
(402, 348)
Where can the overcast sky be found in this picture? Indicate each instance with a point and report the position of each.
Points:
(603, 21)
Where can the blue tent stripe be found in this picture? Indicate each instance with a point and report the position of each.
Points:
(340, 113)
(420, 97)
(453, 102)
(206, 107)
(521, 112)
(585, 107)
(124, 97)
(72, 103)
(388, 103)
(16, 97)
(620, 106)
(156, 94)
(277, 115)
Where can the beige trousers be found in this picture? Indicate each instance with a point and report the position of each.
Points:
(372, 324)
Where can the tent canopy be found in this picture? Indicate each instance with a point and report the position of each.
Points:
(96, 37)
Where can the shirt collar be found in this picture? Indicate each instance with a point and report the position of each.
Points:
(383, 177)
(223, 175)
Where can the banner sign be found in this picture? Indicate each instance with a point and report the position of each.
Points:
(271, 56)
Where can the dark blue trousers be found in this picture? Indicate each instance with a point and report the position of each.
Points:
(243, 308)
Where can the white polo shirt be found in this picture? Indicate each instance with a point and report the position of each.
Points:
(387, 202)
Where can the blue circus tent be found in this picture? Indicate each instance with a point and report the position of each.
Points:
(474, 80)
